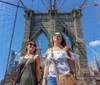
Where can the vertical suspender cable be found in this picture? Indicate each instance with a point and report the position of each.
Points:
(97, 9)
(32, 4)
(11, 41)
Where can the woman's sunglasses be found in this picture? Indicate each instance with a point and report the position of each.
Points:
(32, 44)
(57, 35)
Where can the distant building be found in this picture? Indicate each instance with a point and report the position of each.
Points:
(16, 63)
(11, 71)
(91, 71)
(12, 67)
(98, 61)
(94, 65)
(95, 68)
(1, 82)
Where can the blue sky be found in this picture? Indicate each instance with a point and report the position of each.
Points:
(90, 27)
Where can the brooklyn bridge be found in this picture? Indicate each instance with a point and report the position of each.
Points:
(22, 21)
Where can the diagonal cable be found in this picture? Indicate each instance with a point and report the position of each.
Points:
(62, 5)
(25, 45)
(80, 39)
(11, 41)
(44, 4)
(82, 4)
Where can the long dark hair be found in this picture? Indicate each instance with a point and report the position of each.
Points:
(63, 43)
(34, 52)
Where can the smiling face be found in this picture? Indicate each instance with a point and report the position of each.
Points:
(57, 37)
(31, 47)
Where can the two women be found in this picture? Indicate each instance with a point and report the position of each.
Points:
(58, 62)
(29, 74)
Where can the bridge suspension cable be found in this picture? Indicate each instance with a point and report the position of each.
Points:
(44, 4)
(58, 3)
(23, 5)
(32, 4)
(19, 52)
(50, 5)
(80, 39)
(89, 21)
(11, 40)
(11, 4)
(97, 3)
(16, 5)
(77, 3)
(97, 9)
(55, 4)
(62, 4)
(82, 4)
(72, 33)
(94, 4)
(26, 44)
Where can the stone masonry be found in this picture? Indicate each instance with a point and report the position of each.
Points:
(67, 23)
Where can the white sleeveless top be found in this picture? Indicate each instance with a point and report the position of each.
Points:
(62, 65)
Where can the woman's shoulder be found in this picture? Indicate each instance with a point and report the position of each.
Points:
(20, 59)
(67, 48)
(36, 57)
(48, 50)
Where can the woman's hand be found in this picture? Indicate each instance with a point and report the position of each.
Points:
(44, 81)
(13, 83)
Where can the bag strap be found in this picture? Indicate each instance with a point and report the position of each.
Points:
(25, 65)
(23, 68)
(55, 67)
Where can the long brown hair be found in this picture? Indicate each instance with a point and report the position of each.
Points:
(63, 43)
(34, 52)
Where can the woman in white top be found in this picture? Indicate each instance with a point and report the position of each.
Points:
(61, 55)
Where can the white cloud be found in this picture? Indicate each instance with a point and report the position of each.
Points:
(94, 43)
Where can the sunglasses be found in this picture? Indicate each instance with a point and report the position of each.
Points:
(32, 44)
(57, 35)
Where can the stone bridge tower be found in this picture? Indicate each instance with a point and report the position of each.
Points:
(67, 23)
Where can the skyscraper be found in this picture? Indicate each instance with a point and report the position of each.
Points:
(94, 65)
(98, 62)
(11, 71)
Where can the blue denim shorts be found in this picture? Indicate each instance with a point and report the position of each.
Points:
(51, 81)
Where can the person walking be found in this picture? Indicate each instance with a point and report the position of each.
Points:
(59, 68)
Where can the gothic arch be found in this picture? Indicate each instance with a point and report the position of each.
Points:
(40, 31)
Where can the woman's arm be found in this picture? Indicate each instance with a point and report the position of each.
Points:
(20, 59)
(45, 72)
(70, 61)
(72, 66)
(38, 70)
